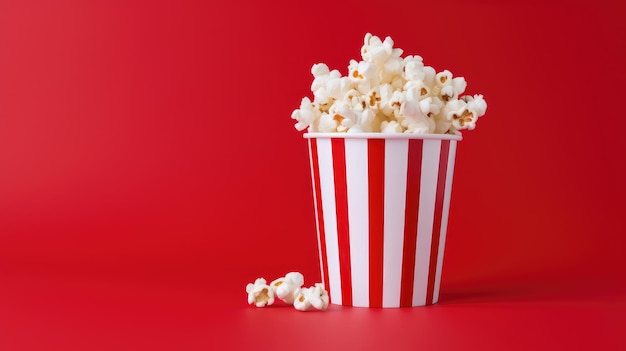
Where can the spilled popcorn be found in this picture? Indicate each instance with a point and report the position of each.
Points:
(389, 94)
(289, 290)
(260, 294)
(286, 287)
(315, 296)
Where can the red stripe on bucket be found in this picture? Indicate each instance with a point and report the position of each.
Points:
(343, 228)
(413, 177)
(320, 212)
(434, 249)
(376, 199)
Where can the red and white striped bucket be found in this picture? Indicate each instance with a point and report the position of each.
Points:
(381, 203)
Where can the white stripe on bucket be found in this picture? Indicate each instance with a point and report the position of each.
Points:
(426, 212)
(396, 156)
(356, 167)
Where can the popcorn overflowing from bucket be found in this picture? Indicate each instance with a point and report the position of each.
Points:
(289, 289)
(389, 94)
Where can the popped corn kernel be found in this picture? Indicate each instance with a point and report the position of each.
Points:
(444, 78)
(323, 82)
(420, 125)
(306, 115)
(384, 105)
(369, 121)
(344, 114)
(460, 116)
(260, 294)
(476, 104)
(390, 127)
(319, 297)
(286, 287)
(373, 49)
(442, 124)
(382, 88)
(319, 69)
(301, 301)
(417, 88)
(459, 84)
(327, 124)
(414, 68)
(315, 296)
(466, 120)
(363, 75)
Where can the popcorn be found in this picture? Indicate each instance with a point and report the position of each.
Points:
(389, 94)
(462, 114)
(363, 75)
(476, 104)
(343, 114)
(448, 87)
(315, 296)
(287, 287)
(417, 88)
(302, 302)
(384, 56)
(369, 121)
(327, 84)
(306, 115)
(442, 124)
(384, 105)
(414, 68)
(327, 124)
(390, 127)
(260, 293)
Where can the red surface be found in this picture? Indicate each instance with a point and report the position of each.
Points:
(149, 170)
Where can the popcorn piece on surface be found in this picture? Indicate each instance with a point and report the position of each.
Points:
(260, 294)
(287, 287)
(301, 302)
(319, 297)
(315, 296)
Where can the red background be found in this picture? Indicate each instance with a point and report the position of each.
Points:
(149, 170)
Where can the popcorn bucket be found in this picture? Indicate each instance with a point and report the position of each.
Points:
(381, 204)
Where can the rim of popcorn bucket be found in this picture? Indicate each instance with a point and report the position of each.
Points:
(382, 136)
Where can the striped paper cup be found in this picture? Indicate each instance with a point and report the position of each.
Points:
(381, 203)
